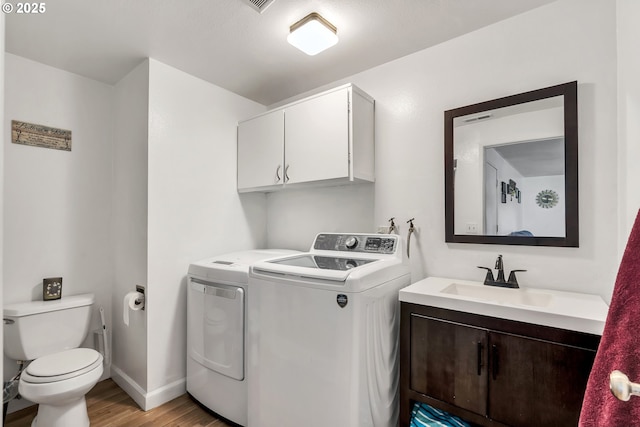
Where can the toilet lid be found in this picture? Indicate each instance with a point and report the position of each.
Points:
(63, 365)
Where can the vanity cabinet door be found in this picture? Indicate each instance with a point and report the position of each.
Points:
(492, 371)
(535, 382)
(448, 362)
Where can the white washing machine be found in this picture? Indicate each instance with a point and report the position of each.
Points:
(324, 332)
(216, 332)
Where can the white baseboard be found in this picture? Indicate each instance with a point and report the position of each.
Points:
(148, 400)
(166, 393)
(130, 387)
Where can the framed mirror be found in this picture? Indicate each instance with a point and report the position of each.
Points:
(511, 169)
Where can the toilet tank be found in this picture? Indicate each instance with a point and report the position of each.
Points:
(37, 328)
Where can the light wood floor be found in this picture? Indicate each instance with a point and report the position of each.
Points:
(109, 406)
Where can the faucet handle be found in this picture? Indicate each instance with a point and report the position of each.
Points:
(512, 277)
(489, 277)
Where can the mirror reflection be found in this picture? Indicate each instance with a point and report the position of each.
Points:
(511, 172)
(504, 159)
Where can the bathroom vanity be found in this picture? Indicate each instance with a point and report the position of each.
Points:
(496, 356)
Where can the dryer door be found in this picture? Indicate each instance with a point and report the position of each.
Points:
(216, 327)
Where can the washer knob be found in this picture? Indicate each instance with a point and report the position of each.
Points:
(351, 242)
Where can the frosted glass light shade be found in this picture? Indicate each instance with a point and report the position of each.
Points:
(312, 34)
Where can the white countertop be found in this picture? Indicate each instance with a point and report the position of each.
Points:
(565, 310)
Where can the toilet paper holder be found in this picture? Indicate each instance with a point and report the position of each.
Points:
(133, 301)
(141, 290)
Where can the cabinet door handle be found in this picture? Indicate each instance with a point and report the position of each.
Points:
(286, 174)
(479, 358)
(495, 363)
(278, 173)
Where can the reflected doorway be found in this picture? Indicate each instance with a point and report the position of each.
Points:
(490, 200)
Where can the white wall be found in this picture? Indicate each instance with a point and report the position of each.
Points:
(468, 179)
(578, 43)
(194, 210)
(543, 221)
(296, 216)
(175, 202)
(57, 204)
(628, 113)
(130, 171)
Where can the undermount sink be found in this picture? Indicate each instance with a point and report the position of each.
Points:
(499, 295)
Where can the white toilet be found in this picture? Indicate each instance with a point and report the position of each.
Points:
(49, 332)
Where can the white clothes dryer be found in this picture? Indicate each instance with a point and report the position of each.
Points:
(324, 334)
(216, 332)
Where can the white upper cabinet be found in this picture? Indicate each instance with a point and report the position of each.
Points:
(316, 134)
(321, 140)
(261, 151)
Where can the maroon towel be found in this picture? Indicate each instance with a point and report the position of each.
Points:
(619, 348)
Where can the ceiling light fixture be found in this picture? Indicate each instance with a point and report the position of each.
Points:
(313, 34)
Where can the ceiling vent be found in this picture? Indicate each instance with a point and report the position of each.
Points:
(259, 5)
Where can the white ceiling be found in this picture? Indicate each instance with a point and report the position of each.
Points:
(535, 158)
(228, 43)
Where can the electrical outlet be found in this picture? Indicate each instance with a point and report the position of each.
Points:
(383, 229)
(472, 228)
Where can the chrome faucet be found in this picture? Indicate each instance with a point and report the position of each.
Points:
(499, 281)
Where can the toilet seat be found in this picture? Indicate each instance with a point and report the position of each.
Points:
(62, 366)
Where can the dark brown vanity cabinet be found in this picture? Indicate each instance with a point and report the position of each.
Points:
(492, 371)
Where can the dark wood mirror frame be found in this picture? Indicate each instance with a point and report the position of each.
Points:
(570, 93)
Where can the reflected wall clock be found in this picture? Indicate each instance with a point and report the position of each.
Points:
(547, 199)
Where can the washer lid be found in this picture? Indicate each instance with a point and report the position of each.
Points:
(323, 262)
(63, 363)
(331, 269)
(233, 267)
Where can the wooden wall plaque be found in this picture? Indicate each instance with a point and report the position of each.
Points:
(40, 136)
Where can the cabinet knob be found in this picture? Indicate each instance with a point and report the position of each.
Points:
(621, 387)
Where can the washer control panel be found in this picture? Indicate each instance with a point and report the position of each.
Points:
(380, 244)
